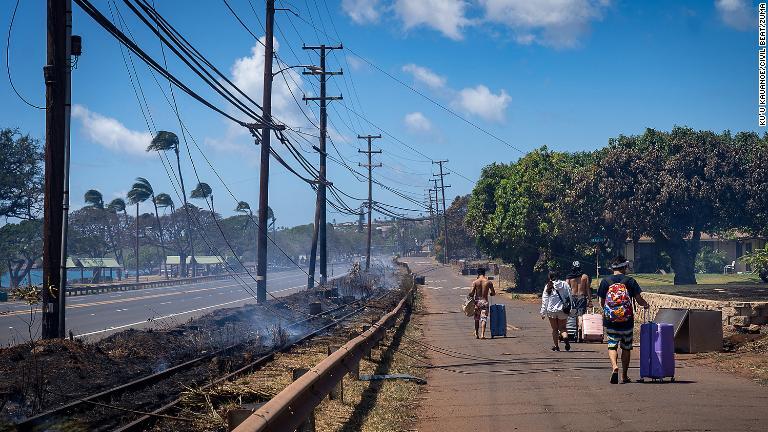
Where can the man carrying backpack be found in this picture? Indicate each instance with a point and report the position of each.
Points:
(616, 294)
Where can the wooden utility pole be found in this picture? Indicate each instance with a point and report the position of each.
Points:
(370, 167)
(266, 134)
(57, 75)
(446, 253)
(431, 217)
(323, 177)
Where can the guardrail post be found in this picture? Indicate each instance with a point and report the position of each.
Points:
(337, 393)
(236, 416)
(368, 350)
(309, 423)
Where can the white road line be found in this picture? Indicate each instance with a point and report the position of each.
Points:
(162, 317)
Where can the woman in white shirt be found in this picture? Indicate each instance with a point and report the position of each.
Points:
(556, 291)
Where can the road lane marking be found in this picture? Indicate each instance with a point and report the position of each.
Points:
(161, 318)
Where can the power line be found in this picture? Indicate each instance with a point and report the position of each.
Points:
(8, 60)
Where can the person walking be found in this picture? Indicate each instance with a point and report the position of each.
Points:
(555, 306)
(481, 288)
(617, 293)
(581, 289)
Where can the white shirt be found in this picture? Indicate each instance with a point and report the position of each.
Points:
(551, 303)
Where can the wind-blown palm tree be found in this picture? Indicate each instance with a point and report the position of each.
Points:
(116, 206)
(204, 191)
(137, 195)
(143, 183)
(94, 198)
(163, 200)
(245, 208)
(162, 142)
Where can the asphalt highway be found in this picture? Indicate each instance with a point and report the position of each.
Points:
(98, 315)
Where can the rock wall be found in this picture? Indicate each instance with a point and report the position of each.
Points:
(734, 312)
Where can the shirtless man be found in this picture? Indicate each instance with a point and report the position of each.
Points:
(481, 287)
(581, 290)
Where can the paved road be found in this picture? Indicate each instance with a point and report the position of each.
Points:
(97, 315)
(517, 383)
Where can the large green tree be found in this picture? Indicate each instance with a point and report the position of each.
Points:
(674, 186)
(513, 212)
(21, 244)
(21, 175)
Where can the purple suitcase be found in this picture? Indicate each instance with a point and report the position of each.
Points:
(657, 351)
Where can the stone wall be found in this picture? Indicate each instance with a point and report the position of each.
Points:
(734, 312)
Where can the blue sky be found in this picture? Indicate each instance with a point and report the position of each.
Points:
(569, 74)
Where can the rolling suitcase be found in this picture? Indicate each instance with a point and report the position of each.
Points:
(498, 318)
(592, 327)
(657, 351)
(572, 327)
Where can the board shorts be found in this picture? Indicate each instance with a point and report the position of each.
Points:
(481, 310)
(579, 305)
(620, 338)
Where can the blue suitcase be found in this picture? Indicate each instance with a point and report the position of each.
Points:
(498, 316)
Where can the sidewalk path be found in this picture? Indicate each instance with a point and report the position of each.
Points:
(517, 383)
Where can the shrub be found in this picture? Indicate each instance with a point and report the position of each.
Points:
(710, 260)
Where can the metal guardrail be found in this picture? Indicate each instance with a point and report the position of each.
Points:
(291, 407)
(99, 289)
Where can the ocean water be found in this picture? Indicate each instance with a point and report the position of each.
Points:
(37, 276)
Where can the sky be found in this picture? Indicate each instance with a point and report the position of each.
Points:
(472, 82)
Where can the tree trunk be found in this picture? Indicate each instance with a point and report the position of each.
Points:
(526, 279)
(164, 255)
(137, 242)
(682, 253)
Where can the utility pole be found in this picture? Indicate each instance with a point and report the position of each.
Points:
(266, 134)
(323, 180)
(431, 217)
(57, 74)
(446, 254)
(436, 189)
(370, 167)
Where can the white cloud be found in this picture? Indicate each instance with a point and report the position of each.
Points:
(248, 75)
(425, 76)
(417, 122)
(737, 14)
(362, 11)
(558, 23)
(355, 63)
(111, 134)
(446, 16)
(480, 101)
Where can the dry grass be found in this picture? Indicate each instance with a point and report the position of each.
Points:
(745, 357)
(376, 406)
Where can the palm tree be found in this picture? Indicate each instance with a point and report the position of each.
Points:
(138, 194)
(204, 191)
(272, 220)
(165, 141)
(163, 200)
(116, 206)
(245, 208)
(144, 184)
(94, 198)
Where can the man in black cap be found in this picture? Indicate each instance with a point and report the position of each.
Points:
(616, 293)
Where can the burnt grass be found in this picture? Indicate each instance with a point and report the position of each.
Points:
(41, 375)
